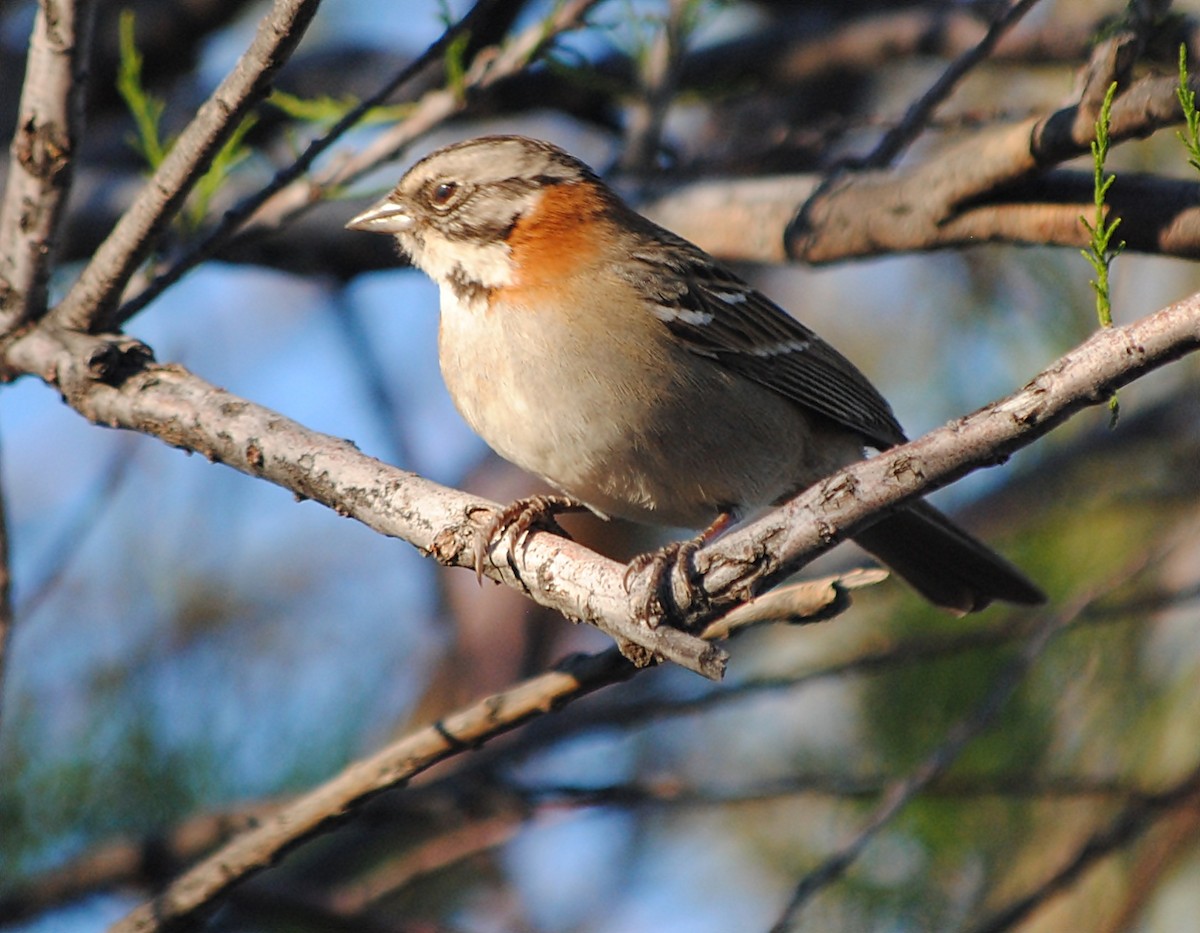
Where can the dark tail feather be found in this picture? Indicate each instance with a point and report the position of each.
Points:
(945, 564)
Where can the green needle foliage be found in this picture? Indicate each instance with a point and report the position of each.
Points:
(147, 110)
(228, 157)
(1101, 251)
(1190, 134)
(147, 141)
(456, 65)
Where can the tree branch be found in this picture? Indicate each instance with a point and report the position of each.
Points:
(90, 303)
(112, 385)
(899, 137)
(172, 404)
(762, 552)
(991, 187)
(971, 192)
(259, 847)
(42, 157)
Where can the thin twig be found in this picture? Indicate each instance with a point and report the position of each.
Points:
(73, 534)
(897, 139)
(660, 70)
(958, 737)
(669, 792)
(371, 372)
(489, 67)
(1129, 824)
(90, 304)
(128, 862)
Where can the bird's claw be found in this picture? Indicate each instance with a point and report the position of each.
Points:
(516, 520)
(664, 584)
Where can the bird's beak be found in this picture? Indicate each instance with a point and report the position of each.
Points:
(385, 216)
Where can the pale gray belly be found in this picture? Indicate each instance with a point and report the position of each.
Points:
(632, 428)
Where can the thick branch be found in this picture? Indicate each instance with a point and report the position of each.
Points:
(970, 192)
(183, 410)
(42, 155)
(95, 295)
(739, 219)
(754, 556)
(1160, 216)
(257, 849)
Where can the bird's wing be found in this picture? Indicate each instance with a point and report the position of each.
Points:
(716, 314)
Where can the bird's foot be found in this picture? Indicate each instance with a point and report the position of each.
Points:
(516, 520)
(665, 583)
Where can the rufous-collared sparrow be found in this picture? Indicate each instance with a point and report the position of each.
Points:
(632, 371)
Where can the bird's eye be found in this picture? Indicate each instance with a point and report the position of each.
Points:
(443, 193)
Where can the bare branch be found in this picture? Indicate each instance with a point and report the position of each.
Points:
(917, 116)
(972, 191)
(258, 848)
(805, 602)
(958, 737)
(42, 156)
(740, 219)
(658, 85)
(1138, 111)
(437, 106)
(837, 507)
(670, 792)
(91, 301)
(73, 534)
(176, 406)
(351, 899)
(185, 411)
(991, 187)
(1131, 823)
